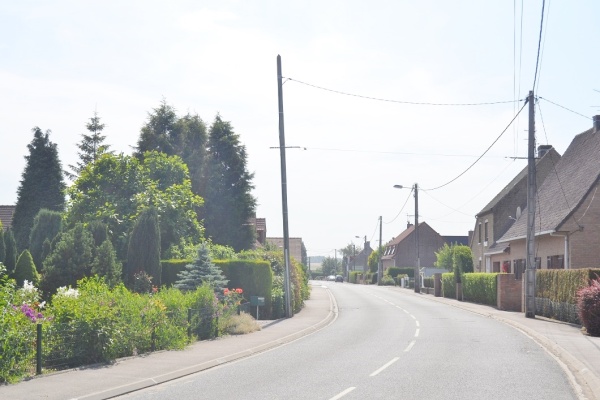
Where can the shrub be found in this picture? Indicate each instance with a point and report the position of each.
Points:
(387, 280)
(238, 324)
(428, 282)
(480, 288)
(201, 271)
(448, 285)
(588, 302)
(25, 269)
(354, 276)
(171, 268)
(143, 252)
(395, 271)
(562, 285)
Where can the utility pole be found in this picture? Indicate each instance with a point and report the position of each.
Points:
(379, 263)
(418, 266)
(286, 236)
(530, 261)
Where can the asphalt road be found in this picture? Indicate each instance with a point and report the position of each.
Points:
(386, 345)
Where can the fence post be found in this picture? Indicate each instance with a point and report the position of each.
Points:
(38, 367)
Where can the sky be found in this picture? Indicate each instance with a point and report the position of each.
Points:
(349, 145)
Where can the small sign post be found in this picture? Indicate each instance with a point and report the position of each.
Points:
(258, 302)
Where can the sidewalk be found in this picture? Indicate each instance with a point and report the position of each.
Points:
(578, 354)
(126, 375)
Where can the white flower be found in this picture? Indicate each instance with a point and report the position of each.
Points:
(67, 292)
(28, 287)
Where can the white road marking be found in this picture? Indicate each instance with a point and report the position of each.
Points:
(417, 333)
(417, 322)
(410, 345)
(342, 394)
(385, 366)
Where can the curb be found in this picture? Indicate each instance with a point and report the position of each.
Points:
(159, 379)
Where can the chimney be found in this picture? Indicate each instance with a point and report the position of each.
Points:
(543, 149)
(596, 119)
(408, 225)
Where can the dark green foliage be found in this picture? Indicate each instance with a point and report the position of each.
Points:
(170, 270)
(227, 188)
(254, 277)
(428, 282)
(25, 269)
(448, 285)
(201, 271)
(42, 186)
(106, 264)
(99, 232)
(183, 136)
(70, 260)
(561, 285)
(480, 287)
(395, 271)
(46, 225)
(142, 282)
(10, 258)
(143, 253)
(588, 302)
(462, 261)
(90, 147)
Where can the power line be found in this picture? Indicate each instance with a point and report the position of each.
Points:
(404, 205)
(484, 153)
(401, 101)
(389, 152)
(563, 107)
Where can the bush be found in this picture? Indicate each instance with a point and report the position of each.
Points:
(171, 268)
(428, 282)
(588, 302)
(562, 285)
(480, 288)
(354, 276)
(25, 269)
(238, 324)
(395, 271)
(448, 285)
(387, 280)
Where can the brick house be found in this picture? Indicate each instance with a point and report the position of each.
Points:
(500, 213)
(295, 246)
(6, 216)
(567, 219)
(360, 261)
(401, 251)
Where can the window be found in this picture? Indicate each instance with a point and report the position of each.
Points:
(496, 266)
(479, 240)
(555, 262)
(538, 262)
(506, 267)
(486, 233)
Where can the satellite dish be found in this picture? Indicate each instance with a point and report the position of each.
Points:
(518, 212)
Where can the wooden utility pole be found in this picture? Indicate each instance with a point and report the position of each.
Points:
(530, 241)
(286, 236)
(379, 263)
(418, 266)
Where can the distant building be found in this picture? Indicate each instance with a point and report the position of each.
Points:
(401, 251)
(6, 216)
(260, 226)
(361, 259)
(295, 246)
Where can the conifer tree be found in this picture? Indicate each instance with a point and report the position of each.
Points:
(106, 264)
(143, 253)
(25, 269)
(10, 258)
(46, 225)
(227, 186)
(2, 245)
(201, 271)
(42, 186)
(91, 146)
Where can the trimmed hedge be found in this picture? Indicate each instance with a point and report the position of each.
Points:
(254, 277)
(448, 285)
(395, 271)
(170, 269)
(428, 282)
(560, 285)
(353, 278)
(480, 287)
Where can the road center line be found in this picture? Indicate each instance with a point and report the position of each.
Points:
(417, 322)
(410, 345)
(417, 332)
(385, 366)
(342, 394)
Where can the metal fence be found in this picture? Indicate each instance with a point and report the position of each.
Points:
(565, 312)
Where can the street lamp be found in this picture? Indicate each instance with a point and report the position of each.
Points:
(418, 266)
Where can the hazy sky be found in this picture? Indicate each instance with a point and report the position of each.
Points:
(61, 60)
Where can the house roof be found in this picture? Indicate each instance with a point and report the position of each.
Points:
(6, 215)
(551, 156)
(406, 233)
(572, 178)
(463, 240)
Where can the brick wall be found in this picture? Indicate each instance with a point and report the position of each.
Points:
(509, 293)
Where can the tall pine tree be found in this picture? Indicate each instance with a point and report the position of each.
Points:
(46, 225)
(91, 146)
(10, 257)
(227, 186)
(42, 186)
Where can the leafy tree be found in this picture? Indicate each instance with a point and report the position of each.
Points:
(183, 136)
(46, 225)
(330, 266)
(26, 270)
(70, 259)
(229, 203)
(374, 261)
(201, 271)
(462, 261)
(116, 188)
(42, 185)
(99, 232)
(90, 147)
(2, 245)
(10, 259)
(106, 264)
(444, 257)
(143, 253)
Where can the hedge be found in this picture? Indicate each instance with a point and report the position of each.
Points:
(560, 285)
(395, 271)
(170, 269)
(254, 277)
(448, 285)
(480, 287)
